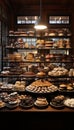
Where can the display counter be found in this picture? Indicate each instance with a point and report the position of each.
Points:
(37, 119)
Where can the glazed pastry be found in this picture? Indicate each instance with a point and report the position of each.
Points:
(40, 74)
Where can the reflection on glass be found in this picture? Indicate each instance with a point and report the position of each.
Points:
(26, 19)
(59, 19)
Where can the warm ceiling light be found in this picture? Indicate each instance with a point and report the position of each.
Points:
(40, 25)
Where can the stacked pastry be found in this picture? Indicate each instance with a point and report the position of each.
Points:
(49, 44)
(41, 102)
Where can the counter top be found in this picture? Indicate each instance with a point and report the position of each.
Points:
(49, 109)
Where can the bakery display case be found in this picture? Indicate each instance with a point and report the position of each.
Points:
(37, 71)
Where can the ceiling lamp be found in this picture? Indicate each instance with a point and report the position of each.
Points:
(40, 25)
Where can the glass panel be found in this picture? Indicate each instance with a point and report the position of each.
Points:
(0, 49)
(30, 41)
(0, 32)
(3, 13)
(59, 19)
(0, 9)
(4, 33)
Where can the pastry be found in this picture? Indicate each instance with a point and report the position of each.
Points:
(69, 88)
(41, 74)
(30, 57)
(1, 83)
(23, 33)
(40, 43)
(18, 56)
(48, 44)
(69, 102)
(59, 97)
(27, 102)
(47, 56)
(19, 85)
(62, 86)
(30, 33)
(41, 86)
(2, 104)
(52, 34)
(12, 101)
(46, 69)
(41, 102)
(17, 82)
(11, 32)
(57, 101)
(58, 71)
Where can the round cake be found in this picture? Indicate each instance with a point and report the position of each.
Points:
(41, 86)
